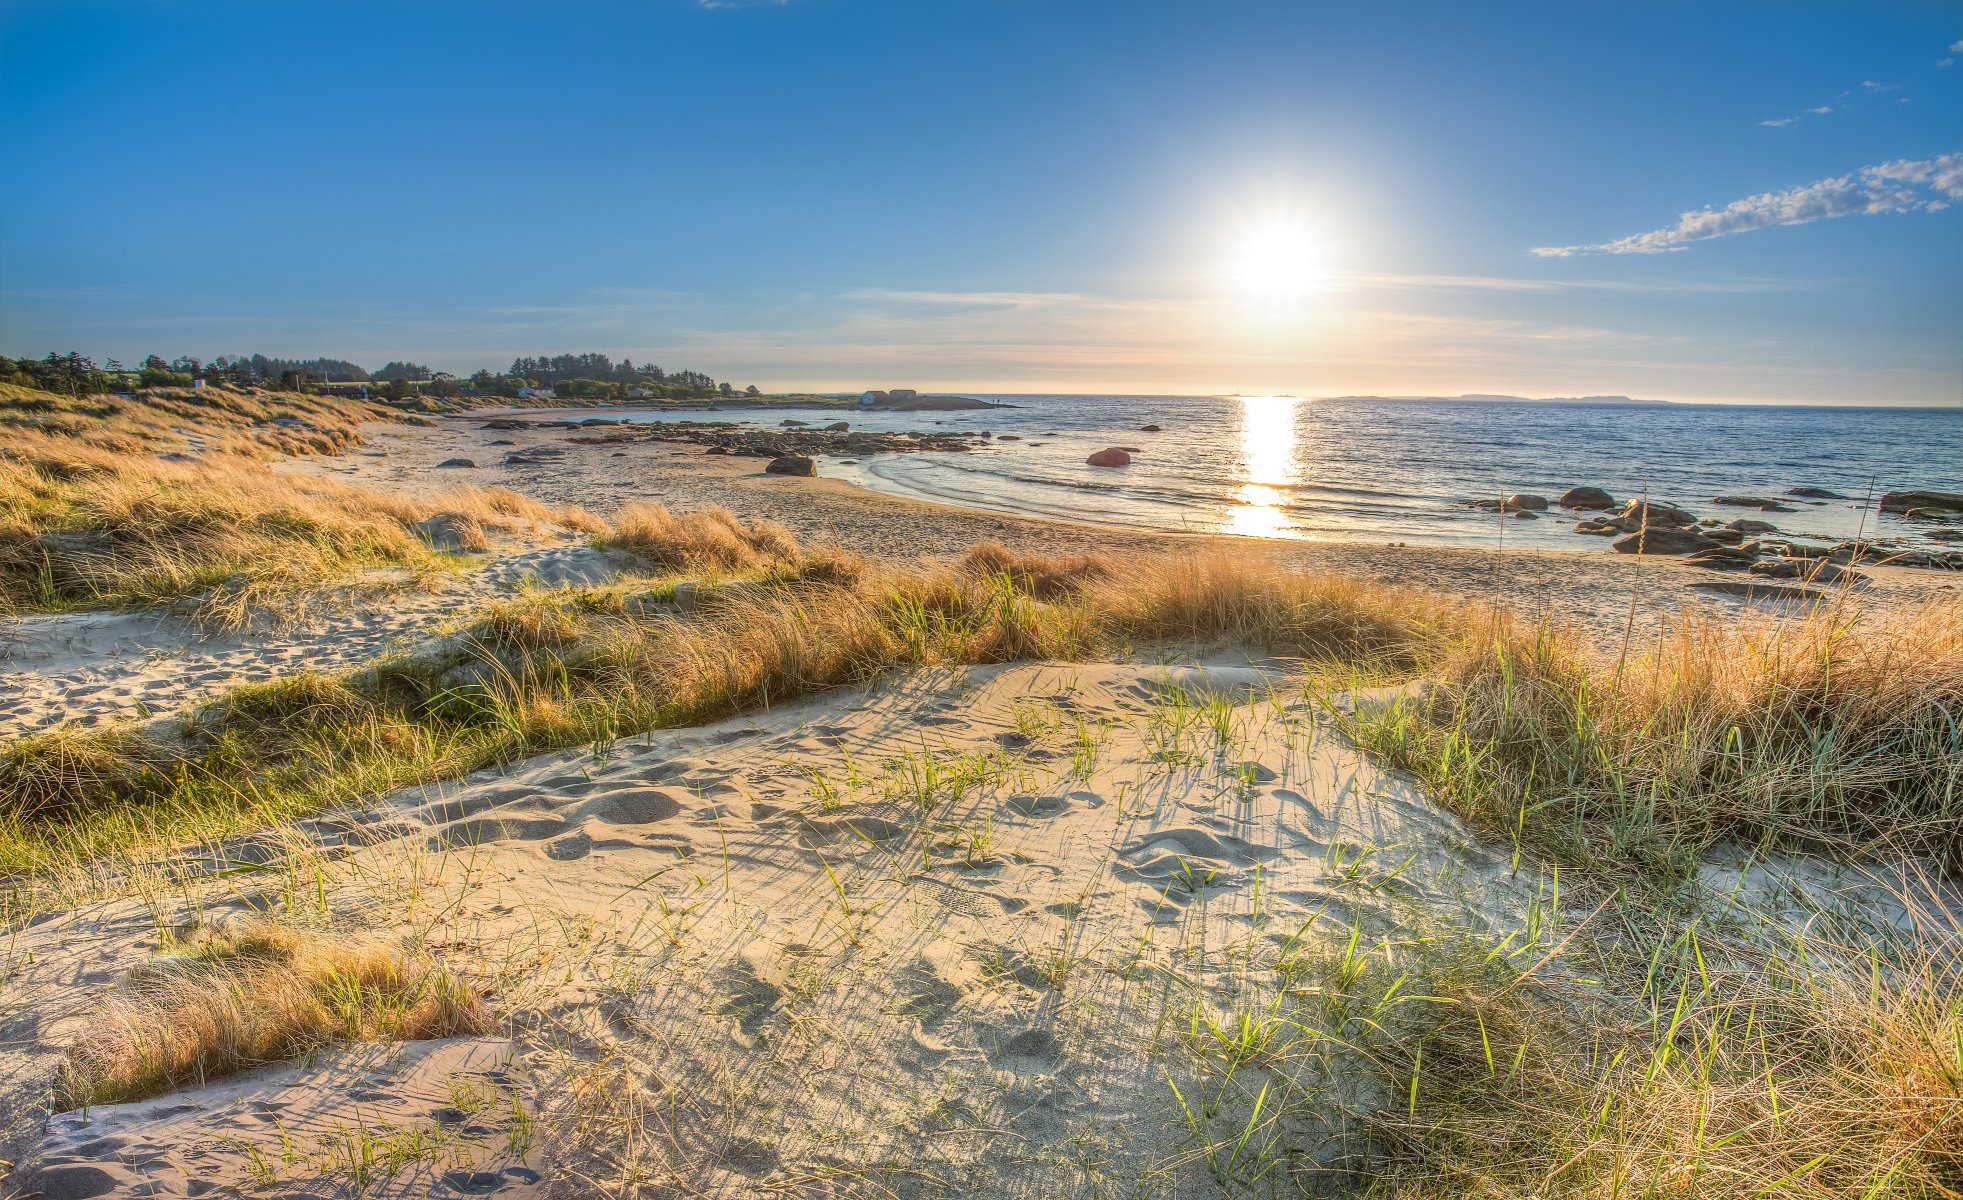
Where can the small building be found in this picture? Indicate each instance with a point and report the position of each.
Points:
(537, 394)
(873, 398)
(639, 394)
(902, 395)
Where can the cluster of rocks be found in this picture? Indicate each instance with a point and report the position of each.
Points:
(1746, 543)
(793, 439)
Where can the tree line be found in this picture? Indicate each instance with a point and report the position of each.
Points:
(584, 376)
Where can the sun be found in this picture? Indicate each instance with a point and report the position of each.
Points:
(1279, 261)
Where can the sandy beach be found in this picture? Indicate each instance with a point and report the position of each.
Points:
(1137, 924)
(1593, 586)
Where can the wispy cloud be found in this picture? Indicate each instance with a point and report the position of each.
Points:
(1902, 186)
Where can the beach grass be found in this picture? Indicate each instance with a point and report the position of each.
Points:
(1833, 732)
(587, 666)
(221, 1000)
(1823, 734)
(105, 503)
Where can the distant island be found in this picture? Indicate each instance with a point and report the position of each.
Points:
(1482, 398)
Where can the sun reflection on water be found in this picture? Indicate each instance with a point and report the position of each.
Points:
(1267, 467)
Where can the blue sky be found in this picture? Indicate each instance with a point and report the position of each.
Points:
(1005, 195)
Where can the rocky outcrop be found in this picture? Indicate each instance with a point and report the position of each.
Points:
(792, 464)
(1728, 558)
(457, 462)
(1922, 504)
(1762, 503)
(1110, 456)
(1663, 540)
(1587, 499)
(1816, 493)
(1749, 525)
(1655, 514)
(1818, 570)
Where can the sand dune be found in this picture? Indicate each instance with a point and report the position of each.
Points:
(964, 933)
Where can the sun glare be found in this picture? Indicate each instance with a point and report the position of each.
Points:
(1278, 261)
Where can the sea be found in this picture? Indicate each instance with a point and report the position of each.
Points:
(1398, 471)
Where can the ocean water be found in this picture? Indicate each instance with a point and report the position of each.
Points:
(1394, 470)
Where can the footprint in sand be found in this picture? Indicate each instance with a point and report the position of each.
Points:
(1025, 1050)
(631, 805)
(1035, 806)
(485, 830)
(747, 996)
(928, 992)
(572, 846)
(1184, 861)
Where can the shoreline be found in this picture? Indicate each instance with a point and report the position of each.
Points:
(1590, 587)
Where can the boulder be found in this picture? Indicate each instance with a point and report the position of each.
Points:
(717, 450)
(1586, 499)
(1936, 559)
(1663, 540)
(1762, 503)
(1655, 514)
(1816, 493)
(1930, 504)
(1600, 527)
(457, 462)
(1729, 558)
(1524, 514)
(1749, 525)
(1110, 456)
(791, 464)
(1148, 429)
(1525, 501)
(1730, 537)
(838, 427)
(1814, 571)
(792, 424)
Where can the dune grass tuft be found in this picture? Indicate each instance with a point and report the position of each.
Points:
(1831, 733)
(260, 992)
(709, 538)
(1822, 1062)
(72, 769)
(120, 511)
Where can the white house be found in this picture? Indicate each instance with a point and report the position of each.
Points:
(537, 394)
(638, 393)
(872, 398)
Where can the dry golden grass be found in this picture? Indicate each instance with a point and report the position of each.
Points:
(103, 516)
(1839, 732)
(1822, 1062)
(707, 539)
(262, 992)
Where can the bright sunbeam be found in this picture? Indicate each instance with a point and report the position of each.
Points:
(1268, 467)
(1279, 261)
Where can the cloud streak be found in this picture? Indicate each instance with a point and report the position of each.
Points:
(1902, 186)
